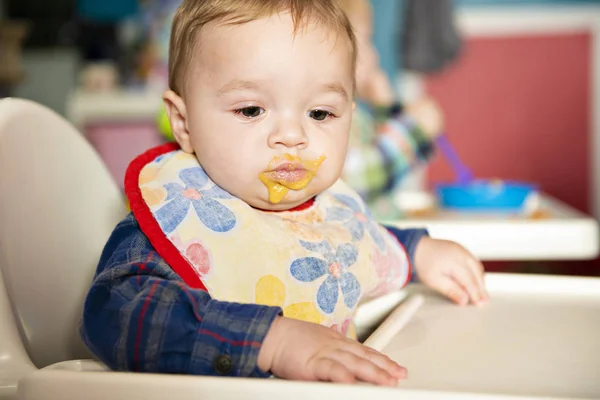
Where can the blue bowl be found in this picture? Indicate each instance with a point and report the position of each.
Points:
(483, 195)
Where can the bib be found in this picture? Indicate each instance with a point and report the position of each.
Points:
(315, 262)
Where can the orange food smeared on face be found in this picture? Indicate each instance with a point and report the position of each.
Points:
(288, 173)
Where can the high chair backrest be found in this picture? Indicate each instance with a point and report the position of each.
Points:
(58, 205)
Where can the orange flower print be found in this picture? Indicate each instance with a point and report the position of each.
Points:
(304, 232)
(391, 271)
(195, 253)
(199, 257)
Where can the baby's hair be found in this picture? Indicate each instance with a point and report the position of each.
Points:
(355, 6)
(193, 15)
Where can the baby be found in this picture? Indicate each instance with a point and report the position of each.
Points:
(245, 255)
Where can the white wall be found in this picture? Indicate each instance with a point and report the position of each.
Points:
(50, 76)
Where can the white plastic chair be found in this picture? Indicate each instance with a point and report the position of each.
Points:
(58, 205)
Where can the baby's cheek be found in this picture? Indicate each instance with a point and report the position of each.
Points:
(224, 169)
(337, 159)
(328, 174)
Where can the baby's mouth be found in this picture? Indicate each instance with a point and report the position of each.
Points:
(293, 174)
(290, 175)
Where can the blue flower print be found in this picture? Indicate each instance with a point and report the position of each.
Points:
(356, 219)
(165, 156)
(213, 214)
(333, 264)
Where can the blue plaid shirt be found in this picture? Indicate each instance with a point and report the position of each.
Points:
(140, 316)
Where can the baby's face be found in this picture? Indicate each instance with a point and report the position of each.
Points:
(268, 113)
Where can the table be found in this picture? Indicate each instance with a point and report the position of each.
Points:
(566, 234)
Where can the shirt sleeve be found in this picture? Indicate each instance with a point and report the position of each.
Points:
(409, 238)
(382, 150)
(140, 316)
(365, 168)
(403, 145)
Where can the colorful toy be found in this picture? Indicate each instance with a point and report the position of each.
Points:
(164, 126)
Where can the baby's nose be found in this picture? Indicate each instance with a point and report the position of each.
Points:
(289, 134)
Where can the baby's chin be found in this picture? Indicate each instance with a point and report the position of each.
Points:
(260, 199)
(292, 200)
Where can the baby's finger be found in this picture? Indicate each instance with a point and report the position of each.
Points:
(363, 369)
(478, 271)
(465, 278)
(451, 289)
(381, 360)
(329, 370)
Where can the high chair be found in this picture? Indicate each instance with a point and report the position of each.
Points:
(58, 205)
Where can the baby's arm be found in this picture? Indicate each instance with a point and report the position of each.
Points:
(409, 239)
(140, 316)
(444, 266)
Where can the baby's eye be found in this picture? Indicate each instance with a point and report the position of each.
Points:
(320, 115)
(250, 112)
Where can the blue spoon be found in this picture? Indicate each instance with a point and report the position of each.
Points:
(463, 174)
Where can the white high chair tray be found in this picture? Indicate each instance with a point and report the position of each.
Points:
(538, 336)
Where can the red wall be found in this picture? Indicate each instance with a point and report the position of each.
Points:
(519, 108)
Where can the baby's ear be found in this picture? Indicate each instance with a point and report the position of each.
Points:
(177, 113)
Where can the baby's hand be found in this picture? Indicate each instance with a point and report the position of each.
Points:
(305, 351)
(451, 270)
(428, 115)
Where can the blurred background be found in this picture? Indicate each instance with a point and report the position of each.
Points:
(518, 82)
